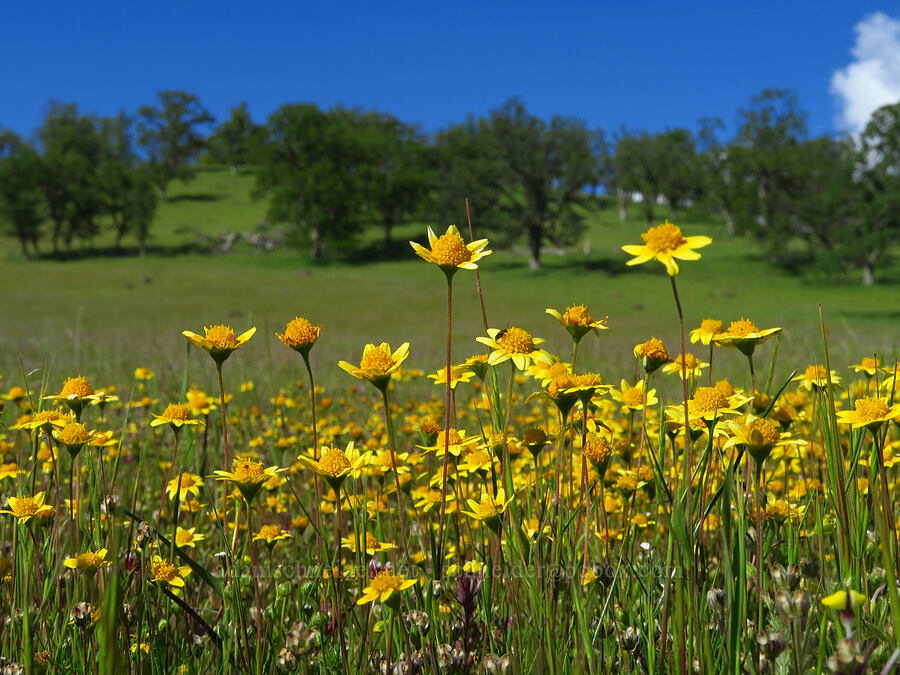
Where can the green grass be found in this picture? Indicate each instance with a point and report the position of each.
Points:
(105, 315)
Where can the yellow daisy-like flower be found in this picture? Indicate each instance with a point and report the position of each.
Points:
(189, 485)
(386, 587)
(450, 252)
(199, 402)
(461, 373)
(869, 413)
(869, 365)
(368, 542)
(89, 561)
(709, 328)
(513, 343)
(76, 393)
(335, 464)
(666, 243)
(652, 354)
(248, 475)
(757, 434)
(377, 363)
(708, 403)
(167, 573)
(489, 509)
(219, 340)
(477, 461)
(186, 538)
(271, 534)
(632, 398)
(26, 508)
(15, 394)
(143, 373)
(816, 377)
(74, 436)
(176, 415)
(598, 451)
(455, 444)
(45, 420)
(10, 470)
(300, 335)
(577, 320)
(744, 336)
(844, 600)
(693, 366)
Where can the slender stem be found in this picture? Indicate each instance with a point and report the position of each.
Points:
(574, 354)
(225, 442)
(484, 321)
(710, 381)
(439, 563)
(390, 430)
(338, 603)
(315, 438)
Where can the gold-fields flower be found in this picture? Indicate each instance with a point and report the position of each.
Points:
(666, 243)
(377, 363)
(219, 340)
(691, 365)
(869, 413)
(26, 508)
(335, 464)
(489, 509)
(165, 572)
(176, 415)
(632, 398)
(652, 354)
(248, 475)
(184, 484)
(450, 252)
(386, 587)
(577, 320)
(513, 343)
(744, 336)
(300, 335)
(708, 329)
(271, 535)
(89, 561)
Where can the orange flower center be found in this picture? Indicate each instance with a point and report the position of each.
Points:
(663, 238)
(712, 326)
(486, 508)
(73, 434)
(708, 399)
(516, 341)
(183, 537)
(742, 328)
(47, 416)
(371, 541)
(164, 571)
(77, 386)
(653, 349)
(269, 532)
(300, 332)
(334, 462)
(869, 363)
(376, 361)
(689, 360)
(762, 432)
(26, 506)
(177, 411)
(221, 336)
(454, 438)
(247, 470)
(870, 409)
(597, 449)
(449, 249)
(577, 315)
(633, 396)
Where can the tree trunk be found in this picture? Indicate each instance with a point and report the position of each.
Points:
(868, 275)
(729, 222)
(315, 252)
(23, 241)
(387, 234)
(623, 204)
(534, 245)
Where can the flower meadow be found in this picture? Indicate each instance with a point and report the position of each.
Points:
(535, 516)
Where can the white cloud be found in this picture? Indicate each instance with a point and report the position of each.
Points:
(873, 78)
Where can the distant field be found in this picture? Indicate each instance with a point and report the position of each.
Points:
(103, 316)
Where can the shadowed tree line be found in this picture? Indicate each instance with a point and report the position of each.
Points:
(329, 174)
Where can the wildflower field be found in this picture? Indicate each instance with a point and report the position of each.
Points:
(482, 501)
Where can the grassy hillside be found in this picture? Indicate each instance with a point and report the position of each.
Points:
(103, 315)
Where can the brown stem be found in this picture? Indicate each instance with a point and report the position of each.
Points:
(315, 437)
(439, 562)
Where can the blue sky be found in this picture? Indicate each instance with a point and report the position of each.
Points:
(645, 65)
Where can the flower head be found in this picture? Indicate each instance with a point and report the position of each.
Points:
(450, 252)
(248, 475)
(184, 484)
(577, 320)
(377, 363)
(744, 336)
(632, 398)
(815, 377)
(219, 341)
(165, 572)
(652, 354)
(666, 243)
(368, 542)
(88, 561)
(845, 600)
(26, 508)
(869, 413)
(74, 436)
(176, 415)
(385, 587)
(271, 534)
(335, 464)
(513, 343)
(685, 364)
(708, 329)
(489, 509)
(300, 335)
(76, 393)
